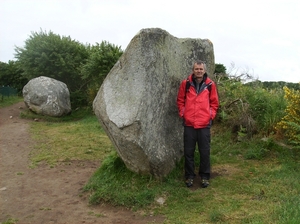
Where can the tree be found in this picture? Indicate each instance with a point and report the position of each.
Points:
(220, 68)
(102, 58)
(48, 54)
(11, 75)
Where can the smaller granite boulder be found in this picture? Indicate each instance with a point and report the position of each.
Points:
(47, 96)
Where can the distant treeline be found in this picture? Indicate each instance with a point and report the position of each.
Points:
(275, 85)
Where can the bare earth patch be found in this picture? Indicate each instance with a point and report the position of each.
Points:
(44, 194)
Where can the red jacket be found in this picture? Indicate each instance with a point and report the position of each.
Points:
(198, 110)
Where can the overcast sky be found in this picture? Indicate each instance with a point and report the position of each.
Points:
(260, 37)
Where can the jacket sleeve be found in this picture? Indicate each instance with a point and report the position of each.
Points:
(181, 98)
(214, 100)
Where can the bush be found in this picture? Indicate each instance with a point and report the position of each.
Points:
(266, 107)
(289, 126)
(78, 99)
(51, 55)
(249, 109)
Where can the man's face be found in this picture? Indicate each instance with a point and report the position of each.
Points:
(198, 71)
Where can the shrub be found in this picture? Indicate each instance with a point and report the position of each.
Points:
(266, 107)
(249, 109)
(289, 126)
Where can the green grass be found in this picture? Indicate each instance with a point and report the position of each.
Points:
(245, 191)
(10, 221)
(255, 181)
(7, 101)
(64, 141)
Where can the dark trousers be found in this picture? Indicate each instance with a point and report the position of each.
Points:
(202, 138)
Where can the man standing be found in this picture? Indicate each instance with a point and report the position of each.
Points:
(197, 102)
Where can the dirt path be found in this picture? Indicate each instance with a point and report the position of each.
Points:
(44, 194)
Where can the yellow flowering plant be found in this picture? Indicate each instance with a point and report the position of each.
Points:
(289, 125)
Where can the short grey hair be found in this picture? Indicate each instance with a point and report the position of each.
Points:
(199, 62)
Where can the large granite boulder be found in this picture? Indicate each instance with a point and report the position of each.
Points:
(47, 96)
(136, 104)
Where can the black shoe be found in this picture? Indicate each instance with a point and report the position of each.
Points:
(189, 182)
(204, 183)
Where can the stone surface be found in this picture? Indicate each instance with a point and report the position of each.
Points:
(47, 96)
(136, 104)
